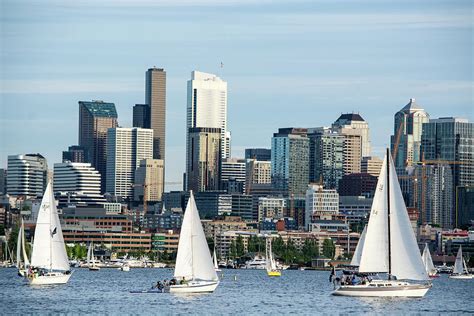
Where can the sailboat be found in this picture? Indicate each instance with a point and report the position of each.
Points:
(390, 245)
(91, 258)
(355, 262)
(49, 261)
(22, 266)
(194, 267)
(428, 261)
(460, 268)
(270, 264)
(214, 258)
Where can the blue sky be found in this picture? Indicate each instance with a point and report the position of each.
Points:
(287, 63)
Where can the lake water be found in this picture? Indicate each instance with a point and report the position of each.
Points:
(252, 293)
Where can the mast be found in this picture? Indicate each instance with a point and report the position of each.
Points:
(50, 234)
(388, 218)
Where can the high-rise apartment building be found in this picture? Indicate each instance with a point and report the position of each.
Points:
(149, 177)
(77, 183)
(321, 203)
(233, 170)
(352, 124)
(371, 165)
(74, 154)
(257, 172)
(141, 115)
(27, 175)
(325, 157)
(406, 139)
(260, 154)
(290, 161)
(271, 207)
(95, 118)
(155, 97)
(207, 107)
(203, 159)
(126, 147)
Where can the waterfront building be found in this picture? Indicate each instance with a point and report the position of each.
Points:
(155, 97)
(149, 177)
(350, 125)
(204, 159)
(165, 241)
(271, 207)
(27, 175)
(260, 154)
(371, 165)
(77, 183)
(141, 116)
(325, 157)
(207, 108)
(321, 203)
(407, 131)
(75, 154)
(282, 224)
(95, 118)
(167, 220)
(357, 184)
(126, 147)
(356, 209)
(222, 224)
(290, 161)
(232, 174)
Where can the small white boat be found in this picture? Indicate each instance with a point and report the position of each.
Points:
(49, 261)
(258, 262)
(194, 267)
(91, 264)
(125, 268)
(460, 270)
(428, 262)
(24, 264)
(389, 245)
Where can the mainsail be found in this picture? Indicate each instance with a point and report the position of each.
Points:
(358, 251)
(49, 250)
(458, 264)
(427, 260)
(193, 261)
(405, 258)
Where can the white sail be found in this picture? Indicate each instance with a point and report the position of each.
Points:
(193, 261)
(458, 264)
(49, 250)
(427, 260)
(216, 266)
(358, 251)
(374, 257)
(18, 247)
(89, 254)
(406, 262)
(23, 244)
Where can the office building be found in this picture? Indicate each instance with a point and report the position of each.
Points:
(207, 107)
(464, 207)
(174, 200)
(257, 172)
(74, 154)
(204, 159)
(357, 184)
(271, 207)
(242, 206)
(233, 175)
(141, 116)
(95, 118)
(27, 175)
(321, 204)
(126, 147)
(325, 157)
(371, 165)
(149, 184)
(260, 154)
(352, 124)
(77, 183)
(3, 181)
(290, 161)
(406, 139)
(155, 97)
(212, 203)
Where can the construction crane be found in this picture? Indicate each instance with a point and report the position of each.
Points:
(397, 140)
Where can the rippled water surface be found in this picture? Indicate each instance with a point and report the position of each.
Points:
(246, 292)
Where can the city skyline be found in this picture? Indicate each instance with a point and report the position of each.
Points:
(376, 79)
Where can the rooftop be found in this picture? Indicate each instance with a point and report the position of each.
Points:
(100, 108)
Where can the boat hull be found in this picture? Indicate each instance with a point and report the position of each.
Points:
(385, 289)
(461, 276)
(274, 273)
(195, 287)
(49, 279)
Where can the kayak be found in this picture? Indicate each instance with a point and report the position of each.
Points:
(147, 291)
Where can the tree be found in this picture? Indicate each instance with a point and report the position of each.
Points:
(329, 249)
(310, 250)
(239, 245)
(2, 230)
(233, 249)
(210, 244)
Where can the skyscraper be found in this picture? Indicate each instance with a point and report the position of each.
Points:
(27, 175)
(326, 157)
(95, 118)
(406, 138)
(149, 177)
(290, 161)
(126, 147)
(257, 172)
(207, 106)
(203, 159)
(321, 203)
(155, 97)
(75, 154)
(233, 171)
(371, 165)
(353, 124)
(141, 115)
(261, 154)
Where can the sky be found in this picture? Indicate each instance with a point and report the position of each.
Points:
(287, 63)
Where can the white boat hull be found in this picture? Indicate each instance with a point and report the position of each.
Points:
(195, 287)
(49, 279)
(461, 276)
(384, 289)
